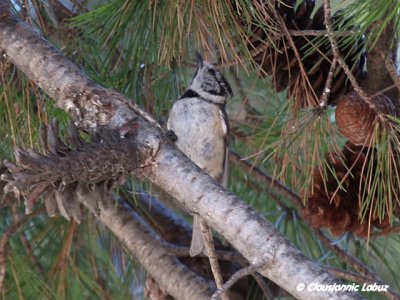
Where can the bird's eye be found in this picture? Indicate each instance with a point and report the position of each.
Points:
(212, 72)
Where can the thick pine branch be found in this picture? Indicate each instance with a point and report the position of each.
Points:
(91, 105)
(134, 233)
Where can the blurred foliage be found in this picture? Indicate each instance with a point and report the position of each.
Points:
(145, 49)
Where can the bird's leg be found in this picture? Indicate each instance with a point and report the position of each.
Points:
(212, 256)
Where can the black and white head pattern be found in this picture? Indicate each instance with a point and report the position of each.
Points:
(209, 83)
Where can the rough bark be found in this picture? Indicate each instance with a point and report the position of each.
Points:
(91, 105)
(173, 276)
(177, 231)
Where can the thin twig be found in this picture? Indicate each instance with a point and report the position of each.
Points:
(347, 258)
(278, 187)
(340, 59)
(328, 83)
(263, 285)
(236, 276)
(382, 91)
(351, 276)
(165, 220)
(387, 231)
(210, 250)
(182, 251)
(320, 33)
(348, 275)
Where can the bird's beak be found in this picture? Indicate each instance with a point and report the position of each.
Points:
(199, 59)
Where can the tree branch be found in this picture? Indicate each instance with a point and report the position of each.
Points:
(276, 186)
(320, 33)
(176, 230)
(91, 105)
(362, 280)
(338, 56)
(284, 191)
(234, 278)
(177, 279)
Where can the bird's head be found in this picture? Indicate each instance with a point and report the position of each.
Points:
(209, 82)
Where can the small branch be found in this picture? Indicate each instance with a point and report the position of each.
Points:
(386, 89)
(210, 250)
(226, 255)
(145, 245)
(176, 231)
(276, 185)
(347, 258)
(351, 276)
(235, 277)
(263, 285)
(327, 89)
(387, 231)
(340, 59)
(320, 33)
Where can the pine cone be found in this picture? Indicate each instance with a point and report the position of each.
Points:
(86, 169)
(283, 65)
(339, 209)
(356, 119)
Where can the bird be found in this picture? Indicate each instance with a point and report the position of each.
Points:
(199, 123)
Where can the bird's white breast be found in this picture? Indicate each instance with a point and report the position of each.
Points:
(201, 130)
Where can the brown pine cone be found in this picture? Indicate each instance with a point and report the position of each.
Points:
(338, 209)
(316, 56)
(356, 119)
